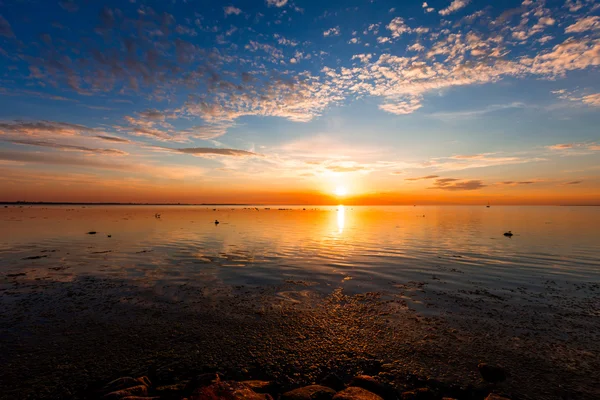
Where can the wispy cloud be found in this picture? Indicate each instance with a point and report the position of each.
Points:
(454, 6)
(422, 178)
(453, 184)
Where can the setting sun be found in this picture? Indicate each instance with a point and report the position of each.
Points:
(341, 191)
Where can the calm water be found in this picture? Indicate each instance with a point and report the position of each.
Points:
(359, 249)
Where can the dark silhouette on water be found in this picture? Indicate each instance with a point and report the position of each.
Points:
(216, 222)
(508, 234)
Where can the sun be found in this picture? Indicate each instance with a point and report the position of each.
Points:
(340, 191)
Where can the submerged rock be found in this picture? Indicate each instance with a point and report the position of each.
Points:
(228, 390)
(356, 393)
(313, 392)
(492, 373)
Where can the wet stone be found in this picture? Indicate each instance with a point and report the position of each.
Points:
(228, 390)
(356, 393)
(138, 391)
(494, 396)
(372, 385)
(261, 386)
(418, 394)
(125, 383)
(313, 392)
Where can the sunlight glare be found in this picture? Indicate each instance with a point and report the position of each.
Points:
(341, 191)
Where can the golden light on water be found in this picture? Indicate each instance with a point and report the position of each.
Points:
(341, 218)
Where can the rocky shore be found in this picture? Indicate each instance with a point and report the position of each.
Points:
(384, 386)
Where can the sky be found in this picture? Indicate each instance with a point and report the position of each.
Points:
(300, 101)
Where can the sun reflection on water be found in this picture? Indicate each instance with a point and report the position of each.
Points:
(341, 218)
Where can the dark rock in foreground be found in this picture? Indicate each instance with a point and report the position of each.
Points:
(314, 392)
(228, 390)
(356, 393)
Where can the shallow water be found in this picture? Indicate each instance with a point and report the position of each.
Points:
(435, 290)
(359, 249)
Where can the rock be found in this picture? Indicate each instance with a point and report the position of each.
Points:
(261, 386)
(494, 396)
(313, 392)
(137, 391)
(199, 381)
(139, 398)
(418, 394)
(492, 373)
(372, 385)
(170, 391)
(448, 398)
(227, 390)
(333, 381)
(356, 393)
(124, 383)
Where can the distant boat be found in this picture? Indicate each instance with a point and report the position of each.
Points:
(488, 205)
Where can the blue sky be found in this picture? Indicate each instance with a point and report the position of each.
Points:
(213, 101)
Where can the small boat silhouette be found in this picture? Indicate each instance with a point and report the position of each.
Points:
(216, 222)
(488, 205)
(508, 234)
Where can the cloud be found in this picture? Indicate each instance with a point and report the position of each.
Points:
(112, 139)
(41, 128)
(335, 31)
(402, 107)
(575, 147)
(5, 28)
(398, 27)
(276, 3)
(454, 6)
(209, 151)
(573, 183)
(453, 184)
(422, 178)
(592, 99)
(513, 183)
(426, 8)
(590, 23)
(229, 10)
(68, 147)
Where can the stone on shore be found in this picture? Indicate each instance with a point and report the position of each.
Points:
(261, 386)
(313, 392)
(356, 393)
(228, 390)
(372, 385)
(494, 396)
(492, 373)
(134, 391)
(124, 383)
(418, 394)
